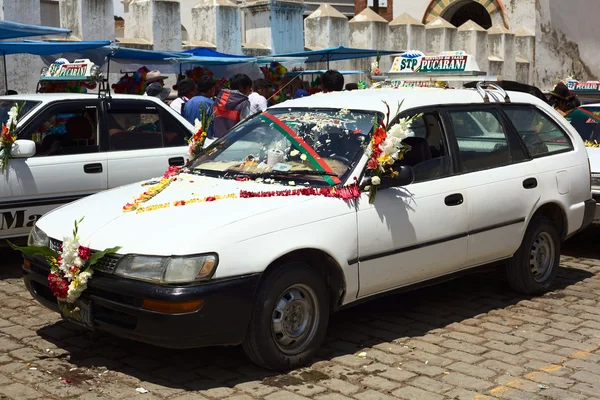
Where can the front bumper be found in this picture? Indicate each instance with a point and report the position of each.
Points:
(116, 308)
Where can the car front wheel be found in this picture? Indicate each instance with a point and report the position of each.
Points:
(290, 318)
(535, 265)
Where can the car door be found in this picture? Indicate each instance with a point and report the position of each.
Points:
(67, 165)
(500, 181)
(143, 140)
(413, 233)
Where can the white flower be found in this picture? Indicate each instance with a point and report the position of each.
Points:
(294, 153)
(398, 131)
(13, 113)
(303, 157)
(197, 125)
(84, 277)
(78, 262)
(292, 183)
(375, 181)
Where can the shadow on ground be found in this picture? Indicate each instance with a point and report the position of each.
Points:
(391, 318)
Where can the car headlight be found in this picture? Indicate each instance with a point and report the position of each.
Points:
(38, 237)
(596, 181)
(166, 270)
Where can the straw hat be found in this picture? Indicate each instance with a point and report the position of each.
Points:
(154, 76)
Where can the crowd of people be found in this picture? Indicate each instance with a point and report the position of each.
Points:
(242, 99)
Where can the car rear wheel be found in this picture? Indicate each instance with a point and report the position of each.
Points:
(534, 266)
(290, 318)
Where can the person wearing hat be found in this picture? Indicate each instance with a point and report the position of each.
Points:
(155, 85)
(562, 100)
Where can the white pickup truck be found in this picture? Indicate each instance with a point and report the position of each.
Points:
(74, 145)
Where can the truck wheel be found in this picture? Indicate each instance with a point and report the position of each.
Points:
(289, 319)
(535, 265)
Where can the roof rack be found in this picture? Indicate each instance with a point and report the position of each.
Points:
(81, 71)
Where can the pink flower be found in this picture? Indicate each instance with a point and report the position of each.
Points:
(84, 253)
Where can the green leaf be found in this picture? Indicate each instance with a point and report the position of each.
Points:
(94, 258)
(31, 251)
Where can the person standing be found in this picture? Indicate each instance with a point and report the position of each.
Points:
(187, 90)
(258, 97)
(232, 105)
(333, 81)
(155, 85)
(191, 110)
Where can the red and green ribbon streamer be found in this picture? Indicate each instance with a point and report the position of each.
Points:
(311, 155)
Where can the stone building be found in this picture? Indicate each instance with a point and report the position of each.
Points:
(535, 41)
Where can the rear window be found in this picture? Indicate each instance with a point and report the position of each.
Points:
(587, 122)
(26, 107)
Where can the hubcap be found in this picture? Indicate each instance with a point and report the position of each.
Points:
(294, 320)
(541, 257)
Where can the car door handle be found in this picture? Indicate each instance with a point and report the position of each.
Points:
(454, 200)
(530, 183)
(92, 168)
(176, 161)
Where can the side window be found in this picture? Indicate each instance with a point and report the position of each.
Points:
(175, 133)
(541, 135)
(428, 155)
(482, 142)
(70, 128)
(135, 127)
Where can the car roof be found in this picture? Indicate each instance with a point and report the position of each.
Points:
(46, 97)
(372, 99)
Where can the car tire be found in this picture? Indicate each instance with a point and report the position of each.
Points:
(534, 266)
(289, 320)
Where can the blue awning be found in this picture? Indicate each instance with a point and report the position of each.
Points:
(48, 48)
(204, 52)
(321, 72)
(336, 54)
(13, 30)
(125, 53)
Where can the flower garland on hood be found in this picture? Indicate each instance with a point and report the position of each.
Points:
(8, 136)
(70, 269)
(386, 148)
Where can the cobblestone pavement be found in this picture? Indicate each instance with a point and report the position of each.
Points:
(471, 338)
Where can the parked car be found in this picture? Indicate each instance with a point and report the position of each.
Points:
(238, 251)
(586, 120)
(74, 145)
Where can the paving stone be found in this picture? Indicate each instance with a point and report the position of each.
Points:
(473, 370)
(430, 358)
(307, 389)
(587, 389)
(462, 356)
(465, 337)
(587, 377)
(61, 389)
(425, 346)
(18, 391)
(557, 381)
(256, 388)
(422, 368)
(332, 396)
(503, 337)
(432, 385)
(506, 348)
(538, 355)
(413, 393)
(338, 385)
(369, 395)
(539, 346)
(397, 374)
(466, 382)
(462, 346)
(378, 383)
(503, 368)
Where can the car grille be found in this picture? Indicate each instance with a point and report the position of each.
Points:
(106, 264)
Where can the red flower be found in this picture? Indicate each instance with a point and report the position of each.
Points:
(58, 285)
(372, 164)
(84, 253)
(74, 270)
(211, 198)
(172, 171)
(379, 136)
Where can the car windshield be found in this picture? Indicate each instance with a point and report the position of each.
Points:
(320, 145)
(587, 122)
(5, 106)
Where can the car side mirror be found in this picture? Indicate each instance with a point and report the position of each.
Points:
(23, 148)
(405, 176)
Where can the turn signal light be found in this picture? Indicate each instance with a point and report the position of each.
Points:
(27, 264)
(170, 307)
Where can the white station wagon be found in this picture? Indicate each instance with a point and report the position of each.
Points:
(250, 244)
(73, 145)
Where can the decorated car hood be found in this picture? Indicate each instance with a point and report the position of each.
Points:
(168, 220)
